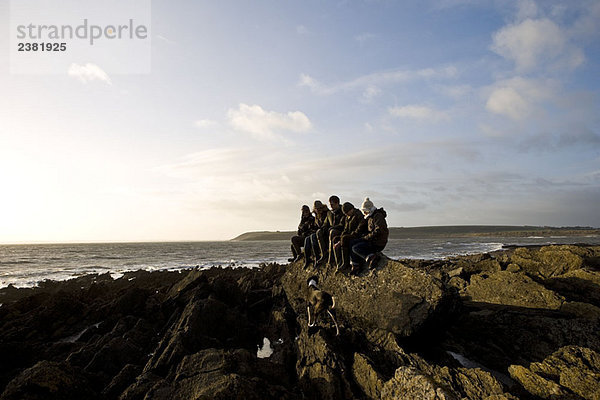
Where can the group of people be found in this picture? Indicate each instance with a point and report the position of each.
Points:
(342, 235)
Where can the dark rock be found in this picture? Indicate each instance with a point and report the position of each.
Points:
(578, 285)
(122, 381)
(534, 312)
(320, 368)
(49, 380)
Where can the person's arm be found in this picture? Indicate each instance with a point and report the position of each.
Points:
(379, 225)
(360, 226)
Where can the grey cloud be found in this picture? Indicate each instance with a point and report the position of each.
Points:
(548, 141)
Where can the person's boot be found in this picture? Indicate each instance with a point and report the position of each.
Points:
(321, 259)
(306, 257)
(345, 264)
(373, 260)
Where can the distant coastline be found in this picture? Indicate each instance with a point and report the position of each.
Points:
(424, 232)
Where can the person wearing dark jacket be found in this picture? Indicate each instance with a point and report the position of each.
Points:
(355, 225)
(311, 243)
(367, 247)
(305, 228)
(332, 226)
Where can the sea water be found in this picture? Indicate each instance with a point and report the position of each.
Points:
(26, 265)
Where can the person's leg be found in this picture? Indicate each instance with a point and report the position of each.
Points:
(334, 235)
(361, 249)
(307, 250)
(373, 257)
(345, 241)
(323, 244)
(357, 248)
(337, 255)
(297, 242)
(314, 241)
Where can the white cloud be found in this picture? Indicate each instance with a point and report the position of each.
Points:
(266, 125)
(378, 79)
(88, 72)
(519, 98)
(417, 112)
(534, 42)
(370, 93)
(455, 91)
(205, 123)
(507, 101)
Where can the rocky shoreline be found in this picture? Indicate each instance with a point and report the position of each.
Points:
(521, 323)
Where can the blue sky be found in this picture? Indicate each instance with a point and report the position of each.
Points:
(442, 112)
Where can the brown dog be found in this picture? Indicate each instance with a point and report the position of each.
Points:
(320, 301)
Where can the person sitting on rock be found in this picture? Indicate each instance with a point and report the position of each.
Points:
(367, 247)
(355, 225)
(335, 226)
(311, 243)
(305, 228)
(332, 226)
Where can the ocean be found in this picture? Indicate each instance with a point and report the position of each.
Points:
(26, 265)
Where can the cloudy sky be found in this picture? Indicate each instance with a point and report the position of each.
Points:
(442, 112)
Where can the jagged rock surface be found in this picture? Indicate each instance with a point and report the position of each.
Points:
(394, 298)
(517, 324)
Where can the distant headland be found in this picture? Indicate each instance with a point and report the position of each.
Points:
(424, 232)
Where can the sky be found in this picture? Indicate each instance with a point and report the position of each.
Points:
(443, 112)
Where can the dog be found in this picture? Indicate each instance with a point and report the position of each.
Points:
(320, 301)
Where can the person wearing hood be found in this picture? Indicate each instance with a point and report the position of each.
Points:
(354, 226)
(370, 244)
(311, 243)
(305, 228)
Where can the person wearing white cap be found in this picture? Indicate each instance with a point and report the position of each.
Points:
(366, 248)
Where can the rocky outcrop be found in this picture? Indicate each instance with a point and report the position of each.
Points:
(394, 297)
(571, 372)
(515, 324)
(511, 289)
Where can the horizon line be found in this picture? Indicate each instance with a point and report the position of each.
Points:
(49, 242)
